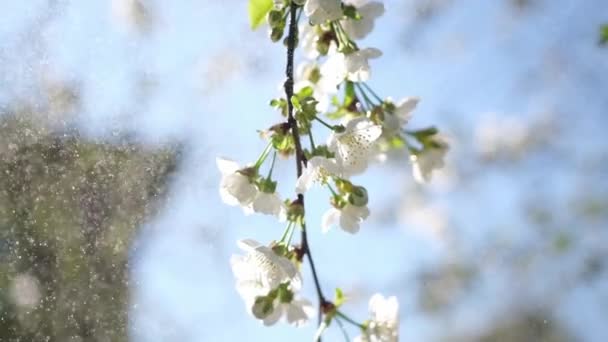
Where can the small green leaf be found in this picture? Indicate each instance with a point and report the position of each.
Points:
(305, 92)
(339, 298)
(296, 103)
(257, 12)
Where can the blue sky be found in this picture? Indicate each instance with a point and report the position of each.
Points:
(473, 61)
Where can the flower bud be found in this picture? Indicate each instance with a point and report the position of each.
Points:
(262, 307)
(285, 295)
(276, 33)
(358, 197)
(275, 19)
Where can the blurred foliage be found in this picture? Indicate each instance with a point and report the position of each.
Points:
(69, 210)
(604, 34)
(523, 327)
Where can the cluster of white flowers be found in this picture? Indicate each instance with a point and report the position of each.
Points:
(268, 283)
(330, 84)
(383, 326)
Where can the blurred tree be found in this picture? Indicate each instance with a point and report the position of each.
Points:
(69, 210)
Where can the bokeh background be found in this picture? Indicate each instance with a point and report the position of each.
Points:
(112, 114)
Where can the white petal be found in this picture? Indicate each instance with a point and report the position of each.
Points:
(299, 312)
(371, 52)
(320, 11)
(404, 108)
(330, 218)
(384, 309)
(248, 245)
(227, 197)
(237, 186)
(354, 147)
(357, 64)
(352, 216)
(306, 180)
(358, 29)
(269, 204)
(226, 166)
(349, 224)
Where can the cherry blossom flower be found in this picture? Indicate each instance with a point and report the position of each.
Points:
(318, 170)
(431, 158)
(235, 187)
(369, 11)
(357, 64)
(353, 66)
(308, 74)
(320, 11)
(402, 114)
(308, 37)
(261, 271)
(297, 312)
(348, 218)
(333, 71)
(260, 275)
(355, 145)
(384, 323)
(269, 204)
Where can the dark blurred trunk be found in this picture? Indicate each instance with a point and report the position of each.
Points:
(69, 210)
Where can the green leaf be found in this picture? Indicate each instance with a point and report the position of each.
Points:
(296, 103)
(339, 298)
(604, 34)
(257, 12)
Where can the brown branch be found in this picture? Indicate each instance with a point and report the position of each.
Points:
(300, 159)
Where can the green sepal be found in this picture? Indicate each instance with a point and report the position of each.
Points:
(267, 185)
(351, 12)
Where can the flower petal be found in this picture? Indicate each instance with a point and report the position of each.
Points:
(330, 218)
(226, 166)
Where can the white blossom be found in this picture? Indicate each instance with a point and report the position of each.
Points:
(357, 64)
(348, 218)
(308, 37)
(369, 11)
(354, 147)
(269, 204)
(297, 312)
(317, 170)
(308, 74)
(235, 188)
(393, 122)
(333, 71)
(353, 66)
(261, 270)
(383, 325)
(320, 11)
(431, 158)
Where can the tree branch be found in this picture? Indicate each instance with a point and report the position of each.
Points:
(300, 159)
